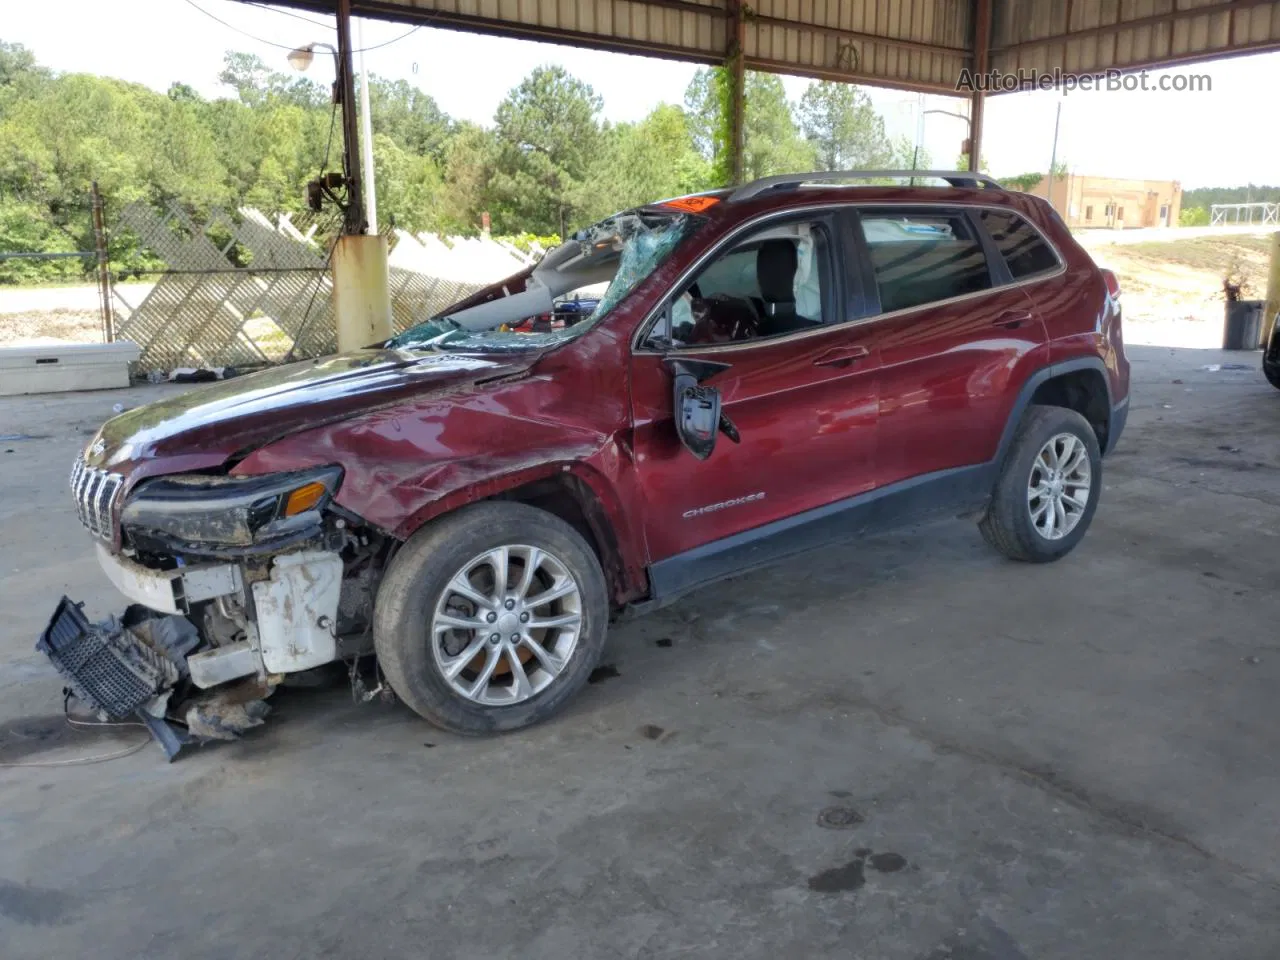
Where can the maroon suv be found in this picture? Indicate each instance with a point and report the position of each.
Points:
(768, 370)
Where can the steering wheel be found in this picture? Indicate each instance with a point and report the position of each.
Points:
(721, 318)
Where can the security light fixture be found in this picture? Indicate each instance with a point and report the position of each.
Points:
(301, 57)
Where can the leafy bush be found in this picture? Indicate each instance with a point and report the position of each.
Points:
(1193, 217)
(1023, 181)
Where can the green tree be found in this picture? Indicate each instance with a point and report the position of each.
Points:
(184, 93)
(408, 185)
(409, 116)
(469, 158)
(24, 228)
(183, 163)
(702, 112)
(1027, 182)
(1250, 193)
(771, 137)
(640, 163)
(1193, 217)
(256, 84)
(1024, 182)
(19, 72)
(844, 128)
(547, 133)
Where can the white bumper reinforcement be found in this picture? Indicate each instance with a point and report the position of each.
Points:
(295, 609)
(169, 591)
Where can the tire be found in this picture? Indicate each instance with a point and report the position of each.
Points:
(1271, 370)
(1009, 523)
(420, 589)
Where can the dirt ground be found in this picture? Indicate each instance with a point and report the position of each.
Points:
(902, 749)
(1182, 279)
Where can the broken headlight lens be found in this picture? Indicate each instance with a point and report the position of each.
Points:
(197, 509)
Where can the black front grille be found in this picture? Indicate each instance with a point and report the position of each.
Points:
(106, 666)
(95, 493)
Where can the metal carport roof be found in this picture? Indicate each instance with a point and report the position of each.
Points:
(912, 44)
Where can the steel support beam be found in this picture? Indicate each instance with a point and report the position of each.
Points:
(981, 64)
(737, 67)
(354, 221)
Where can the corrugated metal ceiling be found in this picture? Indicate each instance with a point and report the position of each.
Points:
(912, 44)
(1087, 36)
(915, 44)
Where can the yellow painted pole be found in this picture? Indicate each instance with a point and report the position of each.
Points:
(1272, 306)
(361, 291)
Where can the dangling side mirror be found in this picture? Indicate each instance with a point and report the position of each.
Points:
(697, 408)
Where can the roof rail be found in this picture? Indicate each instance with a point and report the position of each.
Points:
(956, 178)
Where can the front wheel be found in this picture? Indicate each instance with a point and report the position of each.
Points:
(491, 618)
(1048, 488)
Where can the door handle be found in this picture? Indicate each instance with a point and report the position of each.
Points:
(841, 356)
(1012, 319)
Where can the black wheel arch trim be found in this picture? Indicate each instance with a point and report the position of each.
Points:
(1049, 372)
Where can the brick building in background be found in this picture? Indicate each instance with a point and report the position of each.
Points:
(1109, 202)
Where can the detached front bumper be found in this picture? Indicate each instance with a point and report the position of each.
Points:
(289, 607)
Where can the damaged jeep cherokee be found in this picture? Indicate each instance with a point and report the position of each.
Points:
(767, 370)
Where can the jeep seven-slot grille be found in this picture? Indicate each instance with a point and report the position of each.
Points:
(95, 492)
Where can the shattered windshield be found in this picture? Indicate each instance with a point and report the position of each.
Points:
(573, 287)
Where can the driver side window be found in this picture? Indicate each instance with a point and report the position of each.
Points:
(770, 283)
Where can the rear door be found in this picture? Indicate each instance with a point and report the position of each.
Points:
(956, 338)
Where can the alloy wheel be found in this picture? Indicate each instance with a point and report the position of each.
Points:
(1059, 486)
(506, 624)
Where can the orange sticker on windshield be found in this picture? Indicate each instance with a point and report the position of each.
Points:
(692, 204)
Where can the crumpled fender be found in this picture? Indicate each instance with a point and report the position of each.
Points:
(405, 465)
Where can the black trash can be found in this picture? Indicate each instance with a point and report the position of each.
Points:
(1242, 328)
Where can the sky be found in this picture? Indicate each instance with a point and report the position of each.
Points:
(1220, 137)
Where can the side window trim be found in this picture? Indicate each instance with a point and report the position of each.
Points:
(997, 270)
(832, 298)
(1060, 261)
(865, 300)
(997, 266)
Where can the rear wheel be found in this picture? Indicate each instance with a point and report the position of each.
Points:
(1271, 370)
(1048, 488)
(491, 618)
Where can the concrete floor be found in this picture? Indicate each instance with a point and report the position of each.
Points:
(1069, 761)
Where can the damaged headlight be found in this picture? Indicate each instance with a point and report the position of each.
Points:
(199, 510)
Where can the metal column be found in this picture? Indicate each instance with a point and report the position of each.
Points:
(355, 215)
(361, 282)
(736, 25)
(981, 64)
(105, 303)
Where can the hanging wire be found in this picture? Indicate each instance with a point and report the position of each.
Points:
(387, 43)
(285, 46)
(306, 314)
(229, 26)
(286, 13)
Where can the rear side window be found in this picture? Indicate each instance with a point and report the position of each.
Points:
(1024, 250)
(921, 258)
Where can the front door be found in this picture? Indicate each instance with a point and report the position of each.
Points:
(800, 388)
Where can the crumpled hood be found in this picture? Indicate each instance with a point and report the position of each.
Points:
(204, 426)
